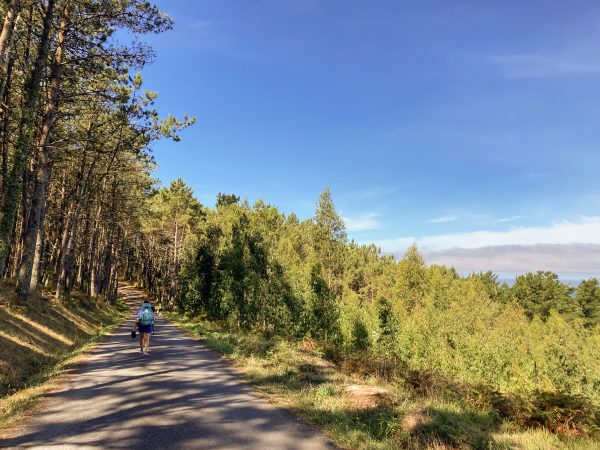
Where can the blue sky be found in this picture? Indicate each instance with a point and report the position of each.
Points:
(453, 124)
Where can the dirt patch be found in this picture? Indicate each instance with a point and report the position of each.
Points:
(363, 396)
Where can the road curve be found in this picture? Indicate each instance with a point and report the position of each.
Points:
(180, 396)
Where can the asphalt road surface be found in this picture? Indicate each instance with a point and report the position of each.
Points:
(182, 395)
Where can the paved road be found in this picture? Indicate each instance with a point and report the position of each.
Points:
(180, 396)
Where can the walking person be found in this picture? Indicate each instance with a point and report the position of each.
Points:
(145, 325)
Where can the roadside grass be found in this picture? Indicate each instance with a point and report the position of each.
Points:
(365, 411)
(543, 439)
(42, 338)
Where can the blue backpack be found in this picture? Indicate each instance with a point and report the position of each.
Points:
(147, 316)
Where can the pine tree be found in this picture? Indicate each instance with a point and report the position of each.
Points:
(329, 238)
(588, 297)
(539, 293)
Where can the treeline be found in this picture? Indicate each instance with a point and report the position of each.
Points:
(75, 130)
(169, 226)
(253, 267)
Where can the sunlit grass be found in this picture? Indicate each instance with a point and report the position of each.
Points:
(40, 328)
(23, 343)
(78, 320)
(541, 439)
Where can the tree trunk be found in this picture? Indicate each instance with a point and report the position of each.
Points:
(44, 162)
(173, 284)
(39, 248)
(8, 28)
(67, 255)
(6, 43)
(93, 259)
(13, 188)
(65, 207)
(108, 263)
(4, 140)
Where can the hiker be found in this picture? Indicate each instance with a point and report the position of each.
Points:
(145, 325)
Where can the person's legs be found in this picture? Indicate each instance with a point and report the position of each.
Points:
(141, 342)
(146, 342)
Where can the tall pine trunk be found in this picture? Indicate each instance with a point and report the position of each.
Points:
(14, 186)
(8, 27)
(66, 263)
(4, 130)
(94, 255)
(39, 251)
(44, 160)
(6, 42)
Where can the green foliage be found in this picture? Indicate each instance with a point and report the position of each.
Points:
(360, 337)
(227, 199)
(411, 279)
(541, 292)
(328, 220)
(170, 229)
(253, 268)
(328, 234)
(489, 284)
(459, 427)
(588, 297)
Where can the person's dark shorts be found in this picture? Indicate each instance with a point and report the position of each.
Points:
(146, 328)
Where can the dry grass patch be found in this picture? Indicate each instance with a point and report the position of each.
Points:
(364, 396)
(540, 440)
(415, 419)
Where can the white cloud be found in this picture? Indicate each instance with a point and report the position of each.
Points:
(586, 230)
(575, 260)
(442, 219)
(542, 66)
(362, 223)
(509, 219)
